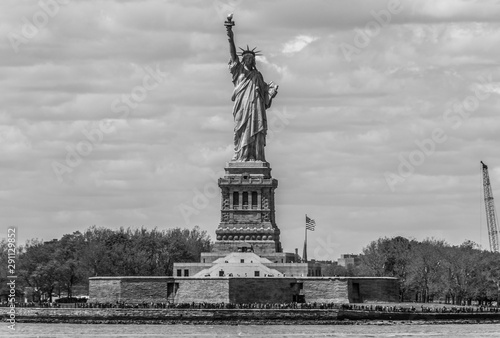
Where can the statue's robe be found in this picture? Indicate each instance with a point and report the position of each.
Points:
(251, 98)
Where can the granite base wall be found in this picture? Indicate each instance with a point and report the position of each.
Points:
(378, 289)
(199, 290)
(325, 290)
(105, 290)
(138, 290)
(262, 290)
(243, 290)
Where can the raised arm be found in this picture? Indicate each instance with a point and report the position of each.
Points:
(232, 48)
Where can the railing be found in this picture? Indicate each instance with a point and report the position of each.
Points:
(240, 180)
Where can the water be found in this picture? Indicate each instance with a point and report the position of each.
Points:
(274, 331)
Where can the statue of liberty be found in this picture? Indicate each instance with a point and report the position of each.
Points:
(251, 97)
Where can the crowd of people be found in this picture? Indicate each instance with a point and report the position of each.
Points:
(421, 308)
(204, 305)
(291, 305)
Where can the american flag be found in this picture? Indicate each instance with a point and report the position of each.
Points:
(310, 223)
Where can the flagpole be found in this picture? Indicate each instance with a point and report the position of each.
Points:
(304, 254)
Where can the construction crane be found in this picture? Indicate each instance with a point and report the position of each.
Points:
(491, 216)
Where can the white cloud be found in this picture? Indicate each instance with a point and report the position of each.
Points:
(297, 44)
(13, 140)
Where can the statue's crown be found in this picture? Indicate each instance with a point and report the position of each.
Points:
(249, 51)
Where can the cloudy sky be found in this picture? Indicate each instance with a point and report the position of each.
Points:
(118, 113)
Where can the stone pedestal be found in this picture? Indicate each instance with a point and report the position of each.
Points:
(247, 209)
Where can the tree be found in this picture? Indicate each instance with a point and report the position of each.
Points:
(426, 276)
(373, 259)
(388, 257)
(489, 278)
(463, 272)
(38, 267)
(68, 256)
(334, 270)
(140, 252)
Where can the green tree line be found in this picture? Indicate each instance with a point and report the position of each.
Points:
(57, 266)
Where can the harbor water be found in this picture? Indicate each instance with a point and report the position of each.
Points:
(381, 329)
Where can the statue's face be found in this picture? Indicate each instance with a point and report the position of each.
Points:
(249, 61)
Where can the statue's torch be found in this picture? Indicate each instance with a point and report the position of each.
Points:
(229, 22)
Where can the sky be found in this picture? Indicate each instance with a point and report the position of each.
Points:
(118, 114)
